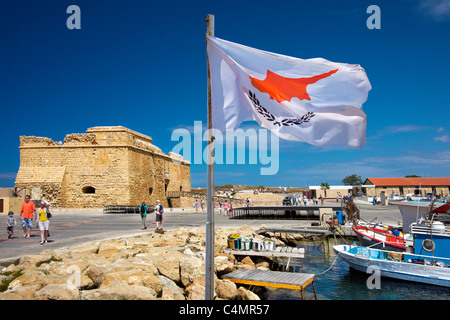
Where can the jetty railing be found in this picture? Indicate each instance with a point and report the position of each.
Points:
(281, 212)
(196, 195)
(125, 209)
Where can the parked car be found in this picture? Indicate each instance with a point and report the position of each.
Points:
(287, 201)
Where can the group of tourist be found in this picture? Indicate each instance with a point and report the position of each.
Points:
(297, 200)
(28, 213)
(159, 210)
(224, 207)
(202, 204)
(227, 209)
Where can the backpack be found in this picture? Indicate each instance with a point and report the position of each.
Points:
(161, 209)
(142, 209)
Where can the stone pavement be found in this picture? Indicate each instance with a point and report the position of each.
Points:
(72, 228)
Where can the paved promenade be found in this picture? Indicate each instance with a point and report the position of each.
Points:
(72, 228)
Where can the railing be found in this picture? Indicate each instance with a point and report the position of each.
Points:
(126, 209)
(179, 194)
(427, 228)
(282, 212)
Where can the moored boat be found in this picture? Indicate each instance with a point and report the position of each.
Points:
(429, 263)
(402, 265)
(411, 211)
(432, 233)
(382, 236)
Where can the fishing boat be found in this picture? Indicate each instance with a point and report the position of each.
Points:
(381, 236)
(432, 233)
(397, 265)
(411, 211)
(427, 261)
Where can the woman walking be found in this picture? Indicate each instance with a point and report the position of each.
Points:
(43, 223)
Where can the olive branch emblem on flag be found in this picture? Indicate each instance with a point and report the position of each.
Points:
(270, 117)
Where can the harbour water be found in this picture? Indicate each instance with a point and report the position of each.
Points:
(342, 283)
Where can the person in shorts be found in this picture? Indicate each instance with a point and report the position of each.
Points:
(27, 212)
(225, 207)
(47, 210)
(196, 206)
(159, 210)
(43, 223)
(10, 223)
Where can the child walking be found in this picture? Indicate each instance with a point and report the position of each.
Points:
(10, 223)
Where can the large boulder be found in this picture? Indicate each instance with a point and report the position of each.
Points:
(119, 292)
(170, 290)
(244, 294)
(34, 260)
(169, 266)
(133, 277)
(57, 292)
(226, 290)
(191, 267)
(222, 265)
(195, 291)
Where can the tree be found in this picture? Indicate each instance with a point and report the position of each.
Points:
(324, 186)
(352, 180)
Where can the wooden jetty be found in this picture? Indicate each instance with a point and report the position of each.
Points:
(276, 279)
(281, 212)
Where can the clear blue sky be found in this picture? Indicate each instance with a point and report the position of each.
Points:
(142, 64)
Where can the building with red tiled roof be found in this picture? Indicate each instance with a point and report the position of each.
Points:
(404, 186)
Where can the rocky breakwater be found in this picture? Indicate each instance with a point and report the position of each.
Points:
(152, 266)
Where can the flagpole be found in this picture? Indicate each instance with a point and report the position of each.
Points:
(209, 260)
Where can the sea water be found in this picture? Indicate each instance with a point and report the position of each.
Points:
(342, 283)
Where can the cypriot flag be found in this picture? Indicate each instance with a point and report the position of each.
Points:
(315, 100)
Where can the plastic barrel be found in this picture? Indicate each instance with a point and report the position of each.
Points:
(340, 217)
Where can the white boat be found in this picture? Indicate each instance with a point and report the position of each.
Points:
(430, 262)
(397, 265)
(412, 210)
(395, 197)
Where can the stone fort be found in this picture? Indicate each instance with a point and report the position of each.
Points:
(104, 166)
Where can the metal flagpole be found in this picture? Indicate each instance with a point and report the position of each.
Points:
(209, 260)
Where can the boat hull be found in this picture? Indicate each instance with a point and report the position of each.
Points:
(369, 242)
(367, 238)
(366, 259)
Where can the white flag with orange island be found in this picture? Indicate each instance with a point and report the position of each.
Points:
(314, 100)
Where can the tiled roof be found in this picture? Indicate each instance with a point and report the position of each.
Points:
(408, 181)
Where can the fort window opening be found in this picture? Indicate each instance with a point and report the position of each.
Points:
(150, 191)
(88, 189)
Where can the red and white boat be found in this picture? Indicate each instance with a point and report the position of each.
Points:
(382, 236)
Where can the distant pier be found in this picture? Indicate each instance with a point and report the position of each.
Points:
(281, 212)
